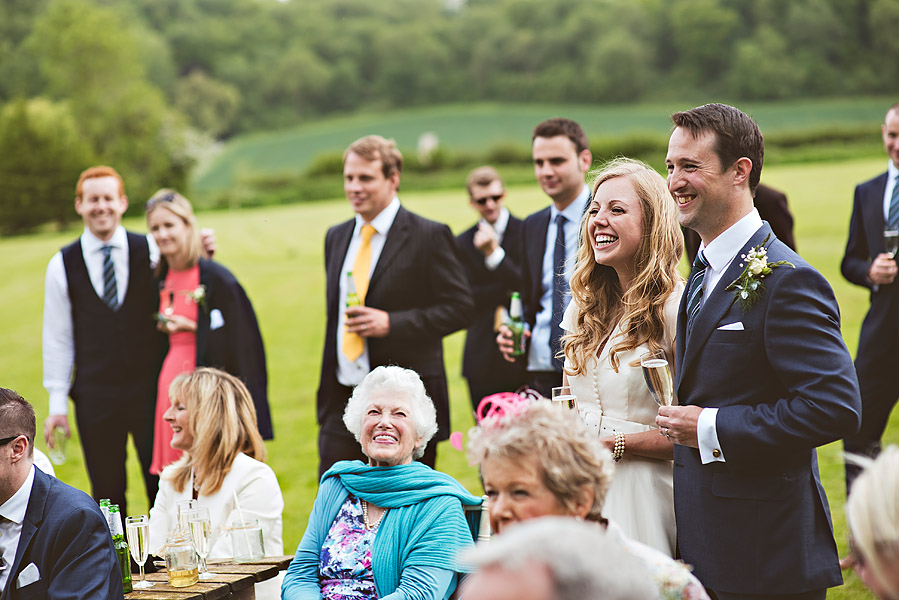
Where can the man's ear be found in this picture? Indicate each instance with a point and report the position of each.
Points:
(742, 170)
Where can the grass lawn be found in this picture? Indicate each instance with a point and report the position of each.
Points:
(276, 252)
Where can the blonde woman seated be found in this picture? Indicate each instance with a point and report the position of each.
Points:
(624, 299)
(390, 529)
(543, 461)
(873, 514)
(213, 421)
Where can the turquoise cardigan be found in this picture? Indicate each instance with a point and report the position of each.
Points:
(424, 527)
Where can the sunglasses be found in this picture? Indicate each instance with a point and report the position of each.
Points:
(7, 440)
(169, 197)
(483, 201)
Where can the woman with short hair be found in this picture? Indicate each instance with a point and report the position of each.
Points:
(390, 529)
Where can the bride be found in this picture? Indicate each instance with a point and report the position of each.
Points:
(625, 296)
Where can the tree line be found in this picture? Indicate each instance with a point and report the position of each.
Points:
(151, 84)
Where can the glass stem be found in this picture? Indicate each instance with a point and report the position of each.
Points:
(142, 576)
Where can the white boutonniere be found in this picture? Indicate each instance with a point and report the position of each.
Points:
(198, 296)
(748, 287)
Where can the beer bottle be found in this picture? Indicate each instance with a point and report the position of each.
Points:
(121, 546)
(352, 299)
(104, 508)
(516, 324)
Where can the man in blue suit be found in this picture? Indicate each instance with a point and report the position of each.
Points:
(762, 379)
(866, 263)
(54, 541)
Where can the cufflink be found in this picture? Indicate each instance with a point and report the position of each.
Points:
(716, 453)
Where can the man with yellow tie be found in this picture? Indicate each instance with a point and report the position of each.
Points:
(411, 292)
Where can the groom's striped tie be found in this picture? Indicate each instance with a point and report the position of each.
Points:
(893, 214)
(110, 291)
(694, 288)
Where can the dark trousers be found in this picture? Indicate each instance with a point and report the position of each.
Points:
(544, 381)
(879, 389)
(105, 445)
(814, 595)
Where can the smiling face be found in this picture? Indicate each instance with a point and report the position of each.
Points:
(707, 194)
(178, 418)
(171, 233)
(365, 186)
(488, 200)
(388, 431)
(890, 131)
(559, 168)
(101, 206)
(517, 492)
(615, 226)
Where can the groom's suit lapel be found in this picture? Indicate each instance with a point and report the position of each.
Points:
(714, 307)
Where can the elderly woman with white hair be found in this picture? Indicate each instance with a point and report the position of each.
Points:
(872, 511)
(390, 529)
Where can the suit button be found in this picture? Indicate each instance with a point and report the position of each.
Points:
(716, 453)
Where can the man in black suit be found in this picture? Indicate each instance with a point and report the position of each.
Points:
(54, 541)
(549, 246)
(412, 292)
(490, 253)
(868, 264)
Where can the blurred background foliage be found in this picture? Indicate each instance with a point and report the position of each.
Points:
(154, 86)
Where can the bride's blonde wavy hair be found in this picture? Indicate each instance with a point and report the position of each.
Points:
(595, 288)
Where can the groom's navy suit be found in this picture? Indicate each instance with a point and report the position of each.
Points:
(875, 361)
(759, 523)
(66, 538)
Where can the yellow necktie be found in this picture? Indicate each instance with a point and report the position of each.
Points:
(352, 342)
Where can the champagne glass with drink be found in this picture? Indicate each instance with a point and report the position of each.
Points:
(891, 241)
(137, 529)
(201, 532)
(658, 376)
(562, 397)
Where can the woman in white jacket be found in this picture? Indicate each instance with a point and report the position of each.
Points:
(213, 421)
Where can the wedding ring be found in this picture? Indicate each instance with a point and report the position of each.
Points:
(667, 436)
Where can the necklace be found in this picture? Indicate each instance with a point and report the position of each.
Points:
(371, 526)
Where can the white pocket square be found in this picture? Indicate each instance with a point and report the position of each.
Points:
(738, 326)
(216, 319)
(27, 576)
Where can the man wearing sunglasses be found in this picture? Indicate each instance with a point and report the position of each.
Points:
(490, 252)
(54, 541)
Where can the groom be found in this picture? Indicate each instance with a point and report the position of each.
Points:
(761, 381)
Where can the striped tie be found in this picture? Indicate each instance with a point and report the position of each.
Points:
(893, 215)
(110, 291)
(694, 289)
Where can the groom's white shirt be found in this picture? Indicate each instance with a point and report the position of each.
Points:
(720, 253)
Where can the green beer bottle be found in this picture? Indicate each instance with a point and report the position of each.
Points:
(516, 324)
(104, 508)
(121, 546)
(352, 299)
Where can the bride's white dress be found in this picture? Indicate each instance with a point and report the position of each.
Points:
(641, 498)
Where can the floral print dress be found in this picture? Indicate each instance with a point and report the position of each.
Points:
(345, 560)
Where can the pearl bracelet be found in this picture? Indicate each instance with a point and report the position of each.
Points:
(618, 452)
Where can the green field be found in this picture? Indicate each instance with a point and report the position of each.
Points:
(276, 252)
(475, 127)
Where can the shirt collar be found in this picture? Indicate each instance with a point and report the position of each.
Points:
(383, 221)
(502, 221)
(14, 508)
(892, 171)
(91, 243)
(574, 211)
(724, 248)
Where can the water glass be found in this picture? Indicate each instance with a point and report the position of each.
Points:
(246, 540)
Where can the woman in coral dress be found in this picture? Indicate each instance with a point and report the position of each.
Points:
(206, 314)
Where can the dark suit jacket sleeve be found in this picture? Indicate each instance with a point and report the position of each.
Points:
(237, 346)
(451, 307)
(82, 568)
(857, 258)
(773, 207)
(488, 291)
(805, 351)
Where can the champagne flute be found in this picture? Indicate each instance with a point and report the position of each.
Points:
(562, 396)
(891, 241)
(138, 531)
(658, 376)
(184, 507)
(201, 532)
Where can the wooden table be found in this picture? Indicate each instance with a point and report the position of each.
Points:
(232, 580)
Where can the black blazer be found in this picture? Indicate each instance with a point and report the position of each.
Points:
(419, 281)
(533, 245)
(482, 360)
(66, 537)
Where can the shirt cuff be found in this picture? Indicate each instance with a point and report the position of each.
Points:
(495, 258)
(707, 434)
(59, 402)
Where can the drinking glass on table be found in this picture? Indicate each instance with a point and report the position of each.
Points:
(137, 529)
(562, 397)
(201, 531)
(184, 507)
(658, 376)
(891, 241)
